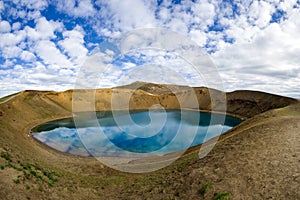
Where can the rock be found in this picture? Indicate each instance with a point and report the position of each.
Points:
(1, 113)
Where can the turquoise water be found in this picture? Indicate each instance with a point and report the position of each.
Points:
(134, 134)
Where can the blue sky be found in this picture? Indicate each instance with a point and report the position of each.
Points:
(253, 44)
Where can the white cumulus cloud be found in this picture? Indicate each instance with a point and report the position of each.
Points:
(4, 27)
(82, 8)
(27, 56)
(73, 45)
(126, 15)
(48, 51)
(266, 61)
(44, 29)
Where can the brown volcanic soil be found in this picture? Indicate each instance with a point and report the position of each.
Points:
(259, 159)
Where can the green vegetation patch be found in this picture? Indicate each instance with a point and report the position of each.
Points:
(29, 97)
(203, 190)
(5, 156)
(222, 196)
(31, 171)
(185, 161)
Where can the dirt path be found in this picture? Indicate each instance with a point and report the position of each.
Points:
(10, 98)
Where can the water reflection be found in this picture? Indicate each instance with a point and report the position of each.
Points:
(145, 134)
